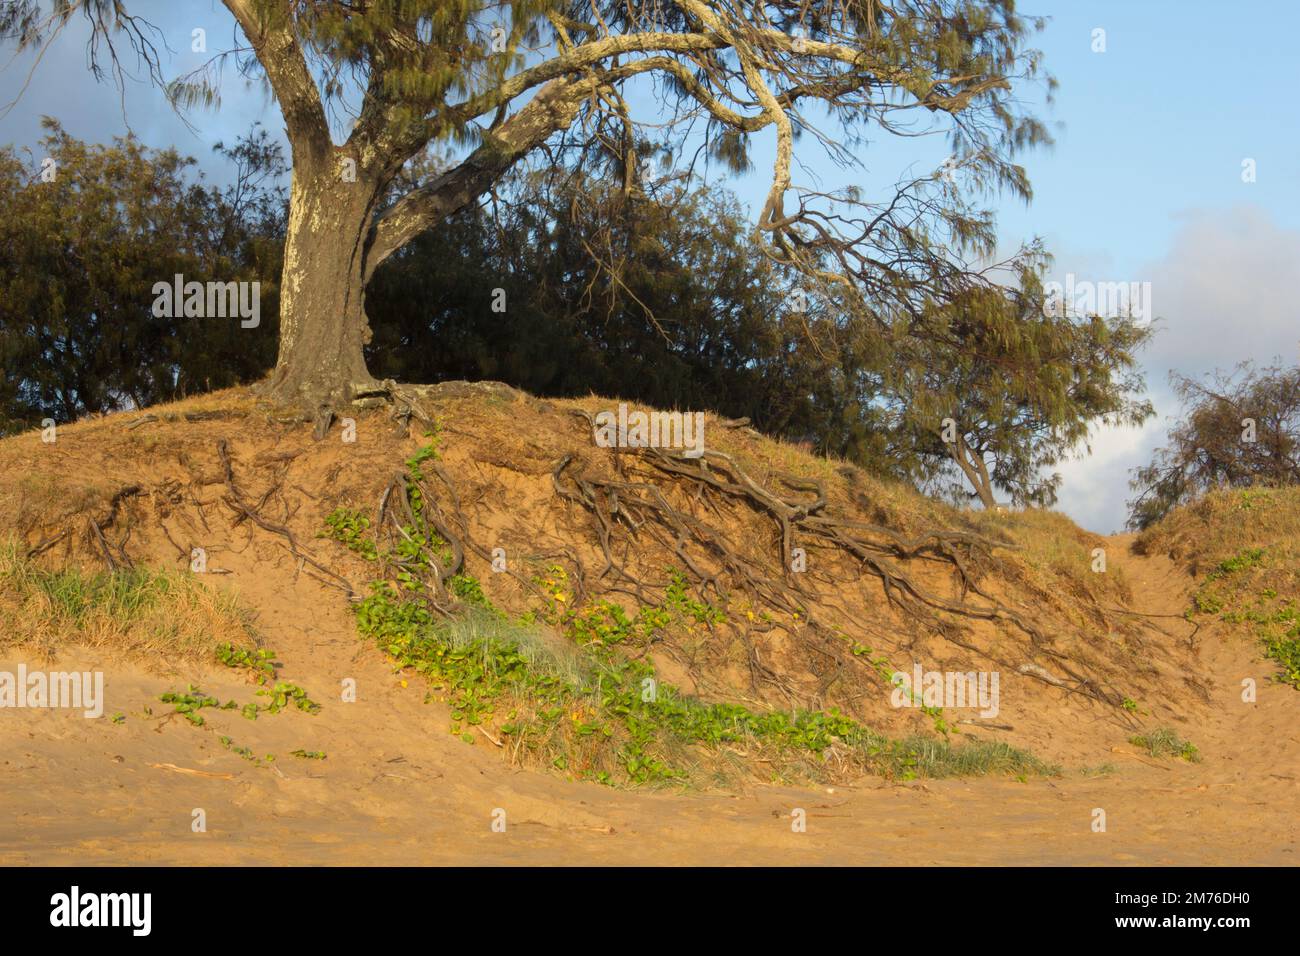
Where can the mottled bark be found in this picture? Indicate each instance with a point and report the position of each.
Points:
(323, 324)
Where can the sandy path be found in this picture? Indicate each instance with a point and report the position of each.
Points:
(397, 788)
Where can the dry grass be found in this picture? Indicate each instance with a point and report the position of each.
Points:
(1224, 523)
(1058, 553)
(1245, 543)
(159, 616)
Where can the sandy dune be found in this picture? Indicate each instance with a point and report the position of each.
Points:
(397, 788)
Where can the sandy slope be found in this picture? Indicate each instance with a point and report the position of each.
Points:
(397, 788)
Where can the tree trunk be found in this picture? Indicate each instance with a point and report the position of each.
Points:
(323, 324)
(975, 470)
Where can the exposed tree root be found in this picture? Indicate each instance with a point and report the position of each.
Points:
(651, 503)
(623, 511)
(234, 499)
(95, 528)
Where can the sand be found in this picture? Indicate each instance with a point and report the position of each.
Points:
(397, 788)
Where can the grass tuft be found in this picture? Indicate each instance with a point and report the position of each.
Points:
(149, 613)
(1165, 742)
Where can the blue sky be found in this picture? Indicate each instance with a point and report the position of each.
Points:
(1144, 182)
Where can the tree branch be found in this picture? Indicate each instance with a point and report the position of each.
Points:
(277, 49)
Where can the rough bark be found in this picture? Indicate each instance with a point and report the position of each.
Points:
(323, 324)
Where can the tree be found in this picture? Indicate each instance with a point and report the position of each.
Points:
(1237, 430)
(503, 80)
(663, 299)
(1008, 390)
(82, 236)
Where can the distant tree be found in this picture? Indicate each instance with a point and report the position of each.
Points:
(1237, 430)
(83, 236)
(664, 299)
(1007, 390)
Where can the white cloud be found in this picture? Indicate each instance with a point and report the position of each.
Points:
(1094, 488)
(1225, 292)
